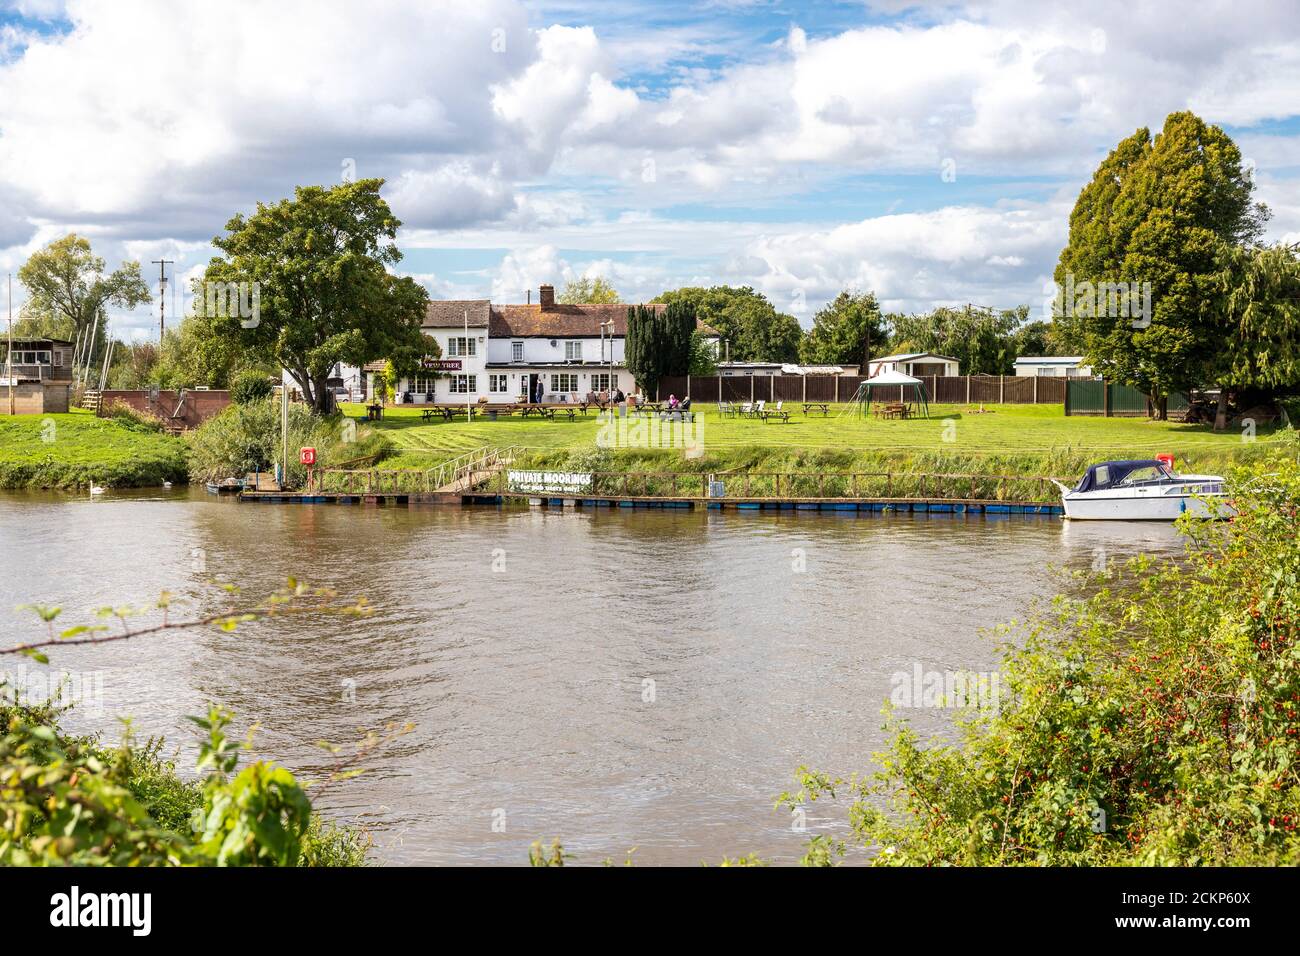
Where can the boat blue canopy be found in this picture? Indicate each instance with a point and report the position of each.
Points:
(1107, 474)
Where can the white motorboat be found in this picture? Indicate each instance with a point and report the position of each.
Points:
(1142, 490)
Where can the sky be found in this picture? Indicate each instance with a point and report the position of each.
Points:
(929, 153)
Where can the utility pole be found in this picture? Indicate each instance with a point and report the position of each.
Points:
(162, 265)
(9, 361)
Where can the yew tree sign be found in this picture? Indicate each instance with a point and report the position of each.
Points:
(440, 365)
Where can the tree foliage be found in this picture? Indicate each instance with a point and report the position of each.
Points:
(845, 331)
(320, 263)
(1259, 299)
(588, 290)
(659, 342)
(1158, 211)
(981, 339)
(66, 281)
(749, 323)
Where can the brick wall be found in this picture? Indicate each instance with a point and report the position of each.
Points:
(35, 398)
(197, 409)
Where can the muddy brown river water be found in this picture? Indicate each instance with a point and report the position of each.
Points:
(615, 678)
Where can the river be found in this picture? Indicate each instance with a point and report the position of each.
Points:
(616, 678)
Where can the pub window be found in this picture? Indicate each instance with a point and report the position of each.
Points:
(464, 384)
(498, 383)
(572, 351)
(516, 351)
(601, 382)
(564, 382)
(460, 346)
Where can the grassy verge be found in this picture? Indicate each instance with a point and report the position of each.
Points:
(1003, 439)
(77, 449)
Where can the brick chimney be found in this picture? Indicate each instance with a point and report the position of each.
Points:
(546, 296)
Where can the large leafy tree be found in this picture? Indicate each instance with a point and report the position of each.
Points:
(1259, 300)
(981, 339)
(845, 331)
(1158, 211)
(320, 262)
(68, 288)
(588, 290)
(745, 319)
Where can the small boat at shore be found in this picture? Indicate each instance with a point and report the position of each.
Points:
(226, 486)
(1142, 490)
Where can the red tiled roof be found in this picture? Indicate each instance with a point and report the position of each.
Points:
(450, 313)
(563, 321)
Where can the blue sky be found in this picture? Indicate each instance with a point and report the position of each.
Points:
(927, 153)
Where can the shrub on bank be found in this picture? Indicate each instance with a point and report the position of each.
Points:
(1158, 724)
(71, 801)
(250, 386)
(245, 438)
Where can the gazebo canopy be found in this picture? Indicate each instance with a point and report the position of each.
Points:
(892, 379)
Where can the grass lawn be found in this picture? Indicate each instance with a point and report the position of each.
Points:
(1021, 436)
(73, 450)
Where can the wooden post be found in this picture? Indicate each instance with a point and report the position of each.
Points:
(1002, 389)
(805, 387)
(751, 390)
(1105, 398)
(837, 389)
(688, 384)
(1035, 389)
(968, 389)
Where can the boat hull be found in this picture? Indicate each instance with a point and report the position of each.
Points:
(1151, 507)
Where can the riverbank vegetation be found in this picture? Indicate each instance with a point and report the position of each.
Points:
(992, 439)
(246, 437)
(75, 801)
(1154, 723)
(76, 449)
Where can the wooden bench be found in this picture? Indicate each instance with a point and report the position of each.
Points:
(778, 413)
(823, 407)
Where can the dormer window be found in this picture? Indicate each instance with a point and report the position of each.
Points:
(573, 351)
(516, 351)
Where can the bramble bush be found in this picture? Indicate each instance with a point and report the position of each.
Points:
(1156, 722)
(70, 801)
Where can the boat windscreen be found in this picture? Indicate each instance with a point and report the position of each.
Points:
(1111, 473)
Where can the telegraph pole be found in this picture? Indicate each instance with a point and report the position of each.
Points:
(9, 361)
(162, 265)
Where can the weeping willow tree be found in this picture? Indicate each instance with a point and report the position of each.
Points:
(1260, 302)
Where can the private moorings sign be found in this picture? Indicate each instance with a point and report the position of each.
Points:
(549, 482)
(440, 365)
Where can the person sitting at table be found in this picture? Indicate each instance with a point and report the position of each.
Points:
(591, 396)
(672, 403)
(619, 397)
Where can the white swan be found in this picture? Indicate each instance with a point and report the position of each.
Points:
(96, 489)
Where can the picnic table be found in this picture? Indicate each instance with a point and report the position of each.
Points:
(375, 411)
(823, 407)
(541, 411)
(892, 410)
(435, 410)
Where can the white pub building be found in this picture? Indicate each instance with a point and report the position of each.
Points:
(506, 353)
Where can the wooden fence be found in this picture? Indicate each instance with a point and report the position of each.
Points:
(942, 389)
